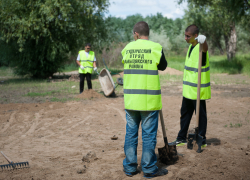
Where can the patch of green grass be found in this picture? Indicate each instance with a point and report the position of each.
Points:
(168, 77)
(240, 64)
(34, 94)
(218, 64)
(71, 67)
(225, 125)
(6, 71)
(176, 62)
(237, 125)
(54, 99)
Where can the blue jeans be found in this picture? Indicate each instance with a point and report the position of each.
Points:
(149, 124)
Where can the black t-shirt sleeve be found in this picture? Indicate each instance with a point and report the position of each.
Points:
(204, 58)
(163, 62)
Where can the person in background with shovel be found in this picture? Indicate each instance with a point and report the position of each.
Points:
(142, 98)
(87, 62)
(190, 78)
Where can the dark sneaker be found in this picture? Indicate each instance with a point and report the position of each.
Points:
(160, 172)
(179, 142)
(130, 174)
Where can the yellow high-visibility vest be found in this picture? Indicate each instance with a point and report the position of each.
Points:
(190, 76)
(86, 62)
(142, 90)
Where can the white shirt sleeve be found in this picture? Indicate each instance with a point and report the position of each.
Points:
(94, 59)
(78, 58)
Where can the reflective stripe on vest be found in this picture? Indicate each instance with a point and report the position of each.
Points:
(142, 91)
(140, 71)
(190, 76)
(86, 62)
(196, 69)
(195, 85)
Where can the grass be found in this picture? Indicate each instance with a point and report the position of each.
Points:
(237, 125)
(172, 78)
(218, 64)
(34, 94)
(71, 67)
(16, 88)
(176, 62)
(5, 71)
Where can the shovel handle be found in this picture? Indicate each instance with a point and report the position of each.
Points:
(163, 127)
(6, 158)
(199, 86)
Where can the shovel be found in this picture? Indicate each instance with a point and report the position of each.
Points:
(196, 139)
(167, 154)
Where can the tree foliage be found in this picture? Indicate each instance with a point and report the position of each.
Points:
(45, 30)
(160, 27)
(226, 13)
(238, 7)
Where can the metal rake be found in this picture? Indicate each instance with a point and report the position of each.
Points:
(12, 164)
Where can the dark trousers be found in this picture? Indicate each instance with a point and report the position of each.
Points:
(187, 109)
(82, 77)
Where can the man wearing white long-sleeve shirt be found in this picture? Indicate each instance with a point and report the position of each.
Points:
(87, 62)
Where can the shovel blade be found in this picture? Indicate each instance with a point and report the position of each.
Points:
(191, 138)
(199, 140)
(195, 140)
(168, 154)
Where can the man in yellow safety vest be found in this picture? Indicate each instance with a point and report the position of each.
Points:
(87, 62)
(142, 98)
(190, 79)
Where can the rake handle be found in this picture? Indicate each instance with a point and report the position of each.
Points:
(11, 162)
(199, 87)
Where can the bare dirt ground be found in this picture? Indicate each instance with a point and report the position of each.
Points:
(72, 140)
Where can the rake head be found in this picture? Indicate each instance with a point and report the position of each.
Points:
(15, 165)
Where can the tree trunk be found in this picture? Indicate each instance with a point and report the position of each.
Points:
(231, 40)
(218, 45)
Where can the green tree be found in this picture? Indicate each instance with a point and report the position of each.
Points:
(211, 23)
(46, 30)
(229, 12)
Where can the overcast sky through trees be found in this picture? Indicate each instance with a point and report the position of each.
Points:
(169, 8)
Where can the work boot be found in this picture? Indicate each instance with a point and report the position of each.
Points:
(160, 172)
(130, 174)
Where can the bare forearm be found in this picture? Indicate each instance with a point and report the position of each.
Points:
(205, 47)
(94, 64)
(78, 62)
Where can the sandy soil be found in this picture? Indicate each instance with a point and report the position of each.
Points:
(73, 140)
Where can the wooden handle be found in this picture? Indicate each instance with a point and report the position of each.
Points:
(199, 86)
(6, 158)
(163, 127)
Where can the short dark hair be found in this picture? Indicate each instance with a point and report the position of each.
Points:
(192, 29)
(141, 28)
(88, 44)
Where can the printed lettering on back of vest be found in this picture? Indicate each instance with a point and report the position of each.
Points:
(137, 58)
